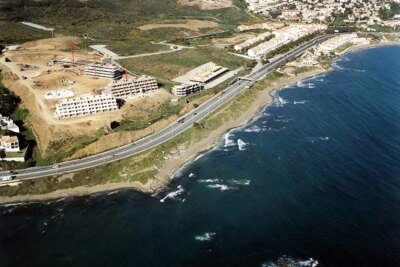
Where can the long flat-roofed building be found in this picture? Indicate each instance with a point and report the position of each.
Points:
(85, 105)
(125, 88)
(211, 72)
(103, 70)
(187, 89)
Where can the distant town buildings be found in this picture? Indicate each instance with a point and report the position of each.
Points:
(282, 37)
(187, 89)
(103, 70)
(125, 88)
(321, 10)
(85, 104)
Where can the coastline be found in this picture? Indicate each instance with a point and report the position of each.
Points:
(171, 166)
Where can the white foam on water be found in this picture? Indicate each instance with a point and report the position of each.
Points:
(289, 262)
(228, 140)
(174, 194)
(241, 145)
(280, 102)
(222, 187)
(301, 102)
(191, 175)
(199, 157)
(205, 237)
(253, 129)
(209, 181)
(239, 182)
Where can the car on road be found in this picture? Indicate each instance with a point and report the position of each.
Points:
(56, 166)
(6, 178)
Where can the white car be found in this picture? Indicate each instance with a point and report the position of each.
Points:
(6, 178)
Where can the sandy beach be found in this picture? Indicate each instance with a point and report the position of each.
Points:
(171, 166)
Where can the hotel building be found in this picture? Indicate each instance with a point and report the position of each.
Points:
(85, 105)
(103, 70)
(125, 88)
(187, 89)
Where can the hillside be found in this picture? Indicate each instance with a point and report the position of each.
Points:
(115, 20)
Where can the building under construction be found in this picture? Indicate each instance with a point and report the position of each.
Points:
(85, 105)
(187, 89)
(128, 87)
(103, 70)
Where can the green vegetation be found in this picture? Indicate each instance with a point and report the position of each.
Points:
(8, 100)
(162, 111)
(110, 21)
(386, 14)
(171, 65)
(141, 168)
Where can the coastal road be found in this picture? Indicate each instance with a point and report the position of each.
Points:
(170, 131)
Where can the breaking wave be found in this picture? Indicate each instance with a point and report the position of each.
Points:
(174, 194)
(253, 129)
(289, 262)
(209, 181)
(228, 141)
(239, 182)
(241, 145)
(221, 187)
(205, 237)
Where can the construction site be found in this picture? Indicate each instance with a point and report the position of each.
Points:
(60, 85)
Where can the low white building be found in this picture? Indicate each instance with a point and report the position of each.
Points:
(9, 143)
(336, 42)
(6, 123)
(187, 89)
(209, 73)
(85, 105)
(103, 70)
(125, 88)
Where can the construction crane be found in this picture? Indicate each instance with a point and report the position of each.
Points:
(72, 46)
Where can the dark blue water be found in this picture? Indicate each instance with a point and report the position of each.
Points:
(317, 176)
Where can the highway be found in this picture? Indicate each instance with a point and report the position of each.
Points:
(170, 131)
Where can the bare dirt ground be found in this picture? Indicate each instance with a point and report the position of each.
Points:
(207, 4)
(238, 38)
(58, 43)
(193, 25)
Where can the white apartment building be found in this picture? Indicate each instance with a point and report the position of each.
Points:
(6, 123)
(211, 72)
(336, 42)
(282, 37)
(103, 70)
(85, 105)
(125, 88)
(187, 89)
(252, 41)
(9, 143)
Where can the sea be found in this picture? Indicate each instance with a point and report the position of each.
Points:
(313, 180)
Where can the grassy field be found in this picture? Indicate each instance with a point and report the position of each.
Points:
(168, 66)
(142, 167)
(108, 21)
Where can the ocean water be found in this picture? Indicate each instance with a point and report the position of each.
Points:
(314, 179)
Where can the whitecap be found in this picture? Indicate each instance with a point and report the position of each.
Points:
(228, 140)
(241, 145)
(301, 102)
(221, 187)
(174, 194)
(205, 237)
(253, 129)
(209, 181)
(239, 182)
(191, 175)
(289, 262)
